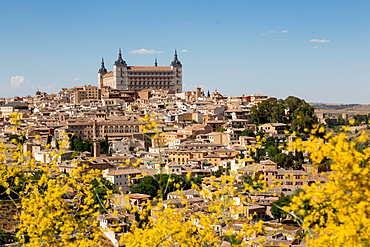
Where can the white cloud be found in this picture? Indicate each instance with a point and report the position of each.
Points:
(315, 47)
(320, 40)
(49, 87)
(363, 65)
(77, 79)
(184, 51)
(16, 81)
(145, 51)
(271, 32)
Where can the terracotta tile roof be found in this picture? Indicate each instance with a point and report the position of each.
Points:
(148, 68)
(80, 123)
(123, 122)
(138, 196)
(213, 156)
(123, 172)
(282, 171)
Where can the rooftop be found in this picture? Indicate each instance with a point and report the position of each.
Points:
(148, 68)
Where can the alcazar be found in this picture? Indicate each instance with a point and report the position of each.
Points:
(136, 78)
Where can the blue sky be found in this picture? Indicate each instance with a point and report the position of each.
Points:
(318, 50)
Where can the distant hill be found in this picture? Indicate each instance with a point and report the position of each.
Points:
(350, 109)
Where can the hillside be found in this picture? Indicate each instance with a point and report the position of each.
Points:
(350, 109)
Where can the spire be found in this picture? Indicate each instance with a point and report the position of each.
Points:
(155, 62)
(102, 68)
(175, 61)
(120, 61)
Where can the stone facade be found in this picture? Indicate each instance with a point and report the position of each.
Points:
(137, 78)
(85, 93)
(94, 130)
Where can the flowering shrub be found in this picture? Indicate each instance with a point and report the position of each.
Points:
(45, 217)
(335, 213)
(188, 225)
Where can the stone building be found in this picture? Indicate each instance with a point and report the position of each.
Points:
(278, 177)
(124, 77)
(85, 93)
(94, 130)
(13, 107)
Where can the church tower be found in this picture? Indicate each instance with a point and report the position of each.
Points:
(177, 70)
(102, 71)
(120, 73)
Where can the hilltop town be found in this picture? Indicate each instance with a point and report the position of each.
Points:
(203, 134)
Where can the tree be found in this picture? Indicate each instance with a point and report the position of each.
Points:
(196, 180)
(283, 160)
(169, 183)
(278, 112)
(162, 184)
(147, 189)
(339, 212)
(17, 183)
(17, 139)
(260, 112)
(217, 173)
(45, 217)
(271, 146)
(292, 110)
(150, 180)
(300, 114)
(248, 132)
(86, 145)
(104, 145)
(252, 183)
(77, 144)
(71, 138)
(258, 155)
(101, 188)
(277, 207)
(74, 154)
(3, 237)
(57, 143)
(361, 119)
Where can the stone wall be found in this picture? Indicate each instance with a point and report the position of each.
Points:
(8, 209)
